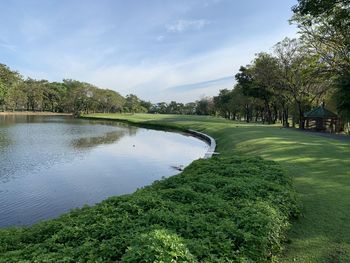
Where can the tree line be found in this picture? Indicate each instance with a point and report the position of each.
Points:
(72, 96)
(68, 96)
(204, 106)
(18, 94)
(300, 73)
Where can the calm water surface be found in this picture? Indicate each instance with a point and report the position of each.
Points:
(51, 164)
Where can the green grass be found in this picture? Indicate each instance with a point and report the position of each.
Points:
(319, 166)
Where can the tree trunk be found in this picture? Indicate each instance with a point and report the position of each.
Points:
(286, 115)
(301, 116)
(246, 115)
(269, 113)
(275, 115)
(285, 122)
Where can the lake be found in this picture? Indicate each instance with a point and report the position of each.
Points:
(51, 164)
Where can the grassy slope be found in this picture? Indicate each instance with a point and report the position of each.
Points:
(320, 168)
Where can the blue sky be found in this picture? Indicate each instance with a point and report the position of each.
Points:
(157, 49)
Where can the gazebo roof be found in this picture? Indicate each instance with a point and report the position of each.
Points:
(320, 112)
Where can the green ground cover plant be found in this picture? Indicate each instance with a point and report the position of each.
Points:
(225, 209)
(319, 167)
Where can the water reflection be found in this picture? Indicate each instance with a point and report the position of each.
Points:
(5, 139)
(32, 143)
(108, 138)
(50, 164)
(10, 119)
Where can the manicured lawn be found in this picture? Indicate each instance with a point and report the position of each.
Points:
(320, 168)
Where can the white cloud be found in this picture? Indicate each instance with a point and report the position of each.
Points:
(185, 25)
(151, 80)
(8, 46)
(5, 44)
(160, 38)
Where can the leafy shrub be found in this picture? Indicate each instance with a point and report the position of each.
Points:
(226, 209)
(158, 246)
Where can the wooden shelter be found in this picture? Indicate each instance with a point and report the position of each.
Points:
(321, 119)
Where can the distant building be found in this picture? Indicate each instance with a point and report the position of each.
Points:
(321, 119)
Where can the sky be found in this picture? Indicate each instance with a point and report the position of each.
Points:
(160, 50)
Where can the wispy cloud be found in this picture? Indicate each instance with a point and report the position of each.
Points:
(4, 43)
(160, 38)
(203, 84)
(185, 25)
(8, 46)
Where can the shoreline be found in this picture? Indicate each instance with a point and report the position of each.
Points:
(34, 113)
(202, 187)
(197, 134)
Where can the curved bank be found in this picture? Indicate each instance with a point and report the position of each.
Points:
(200, 135)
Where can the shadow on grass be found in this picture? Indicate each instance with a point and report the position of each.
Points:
(321, 171)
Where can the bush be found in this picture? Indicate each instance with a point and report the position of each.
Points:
(225, 209)
(158, 246)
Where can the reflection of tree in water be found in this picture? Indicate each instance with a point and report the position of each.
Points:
(5, 139)
(132, 130)
(7, 120)
(107, 138)
(5, 136)
(5, 158)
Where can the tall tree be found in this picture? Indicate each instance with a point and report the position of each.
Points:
(8, 78)
(343, 97)
(222, 103)
(258, 81)
(133, 104)
(205, 106)
(16, 98)
(3, 92)
(35, 94)
(325, 27)
(301, 75)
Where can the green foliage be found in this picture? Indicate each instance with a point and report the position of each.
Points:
(300, 74)
(342, 85)
(8, 78)
(134, 104)
(231, 103)
(274, 86)
(158, 246)
(2, 93)
(204, 106)
(261, 81)
(316, 7)
(324, 26)
(226, 209)
(40, 95)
